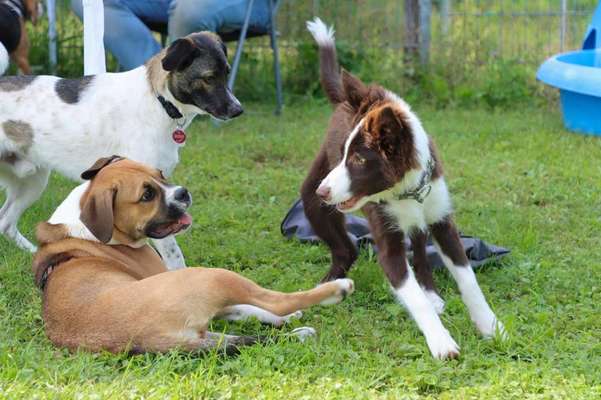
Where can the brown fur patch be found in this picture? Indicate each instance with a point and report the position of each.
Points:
(438, 169)
(155, 73)
(20, 132)
(9, 158)
(48, 233)
(387, 129)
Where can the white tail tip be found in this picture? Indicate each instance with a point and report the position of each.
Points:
(4, 60)
(323, 35)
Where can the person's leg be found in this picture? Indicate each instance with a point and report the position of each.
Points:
(187, 16)
(125, 35)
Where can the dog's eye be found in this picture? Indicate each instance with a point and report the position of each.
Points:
(148, 194)
(359, 160)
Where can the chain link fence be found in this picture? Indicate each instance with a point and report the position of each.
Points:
(496, 44)
(475, 30)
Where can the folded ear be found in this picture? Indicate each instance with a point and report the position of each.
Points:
(180, 55)
(354, 89)
(98, 165)
(97, 213)
(389, 131)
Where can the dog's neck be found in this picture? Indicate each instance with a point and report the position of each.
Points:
(158, 78)
(68, 213)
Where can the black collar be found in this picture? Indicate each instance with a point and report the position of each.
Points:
(422, 190)
(50, 265)
(170, 108)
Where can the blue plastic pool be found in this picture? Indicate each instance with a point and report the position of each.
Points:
(577, 75)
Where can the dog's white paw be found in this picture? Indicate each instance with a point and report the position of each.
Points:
(295, 315)
(442, 346)
(303, 333)
(345, 288)
(436, 301)
(491, 327)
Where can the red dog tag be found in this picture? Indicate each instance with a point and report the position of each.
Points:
(179, 136)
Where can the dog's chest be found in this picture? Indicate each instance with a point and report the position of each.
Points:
(406, 215)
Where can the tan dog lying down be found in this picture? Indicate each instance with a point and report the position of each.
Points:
(105, 288)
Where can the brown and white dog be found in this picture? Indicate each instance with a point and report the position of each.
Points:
(120, 296)
(50, 123)
(14, 42)
(377, 157)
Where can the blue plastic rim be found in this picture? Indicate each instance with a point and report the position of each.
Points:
(578, 76)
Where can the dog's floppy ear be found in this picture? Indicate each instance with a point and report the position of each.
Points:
(97, 213)
(98, 165)
(354, 90)
(389, 130)
(180, 55)
(223, 46)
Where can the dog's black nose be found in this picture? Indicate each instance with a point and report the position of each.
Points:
(183, 196)
(234, 110)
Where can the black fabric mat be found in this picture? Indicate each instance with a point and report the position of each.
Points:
(296, 225)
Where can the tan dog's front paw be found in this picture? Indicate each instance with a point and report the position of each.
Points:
(343, 287)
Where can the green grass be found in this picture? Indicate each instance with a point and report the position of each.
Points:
(519, 180)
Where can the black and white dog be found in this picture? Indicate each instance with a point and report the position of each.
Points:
(48, 123)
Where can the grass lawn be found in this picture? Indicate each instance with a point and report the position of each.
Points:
(519, 180)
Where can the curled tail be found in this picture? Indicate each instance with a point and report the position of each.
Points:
(4, 60)
(328, 61)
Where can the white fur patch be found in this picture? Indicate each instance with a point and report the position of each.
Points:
(471, 294)
(303, 333)
(436, 301)
(412, 296)
(242, 312)
(323, 35)
(339, 180)
(420, 137)
(68, 213)
(4, 60)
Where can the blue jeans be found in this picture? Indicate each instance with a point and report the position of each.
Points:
(128, 38)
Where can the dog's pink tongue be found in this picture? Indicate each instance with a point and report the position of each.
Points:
(185, 219)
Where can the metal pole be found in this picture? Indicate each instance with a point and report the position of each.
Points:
(94, 61)
(52, 56)
(562, 33)
(411, 34)
(425, 14)
(236, 64)
(445, 15)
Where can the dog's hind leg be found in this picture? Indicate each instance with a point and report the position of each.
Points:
(327, 222)
(211, 341)
(170, 252)
(20, 194)
(242, 312)
(244, 291)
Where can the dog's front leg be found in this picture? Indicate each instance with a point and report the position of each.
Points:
(170, 252)
(405, 287)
